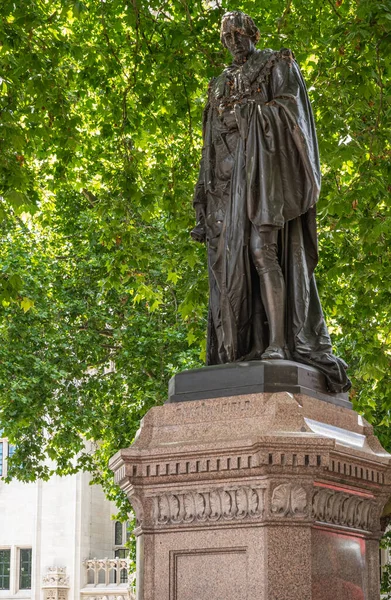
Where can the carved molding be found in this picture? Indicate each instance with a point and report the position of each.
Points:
(55, 577)
(216, 505)
(340, 508)
(289, 500)
(109, 596)
(120, 474)
(137, 508)
(106, 564)
(55, 594)
(55, 583)
(355, 469)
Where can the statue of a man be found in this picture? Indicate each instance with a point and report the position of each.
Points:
(255, 202)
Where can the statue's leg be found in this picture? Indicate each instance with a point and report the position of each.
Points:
(264, 252)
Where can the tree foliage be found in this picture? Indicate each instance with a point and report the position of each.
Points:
(103, 295)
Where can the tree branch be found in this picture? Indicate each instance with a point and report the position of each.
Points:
(189, 113)
(110, 46)
(92, 199)
(334, 9)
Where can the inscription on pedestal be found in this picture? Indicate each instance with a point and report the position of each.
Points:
(218, 409)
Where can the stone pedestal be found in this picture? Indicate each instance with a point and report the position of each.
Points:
(55, 584)
(259, 496)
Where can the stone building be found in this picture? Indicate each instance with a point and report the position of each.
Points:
(58, 540)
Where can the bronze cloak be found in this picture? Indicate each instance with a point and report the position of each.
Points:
(274, 180)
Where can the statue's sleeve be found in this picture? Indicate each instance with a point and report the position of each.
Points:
(283, 173)
(290, 94)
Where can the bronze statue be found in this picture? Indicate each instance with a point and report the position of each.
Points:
(255, 202)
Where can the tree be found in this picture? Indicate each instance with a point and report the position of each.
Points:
(103, 294)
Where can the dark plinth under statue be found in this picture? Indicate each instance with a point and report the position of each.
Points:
(236, 379)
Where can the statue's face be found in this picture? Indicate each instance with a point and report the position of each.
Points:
(239, 44)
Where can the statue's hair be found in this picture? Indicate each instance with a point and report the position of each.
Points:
(241, 22)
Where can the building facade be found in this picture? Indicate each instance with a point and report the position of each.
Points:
(58, 540)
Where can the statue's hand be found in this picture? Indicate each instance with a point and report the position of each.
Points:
(198, 233)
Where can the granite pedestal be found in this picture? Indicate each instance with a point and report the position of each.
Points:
(266, 495)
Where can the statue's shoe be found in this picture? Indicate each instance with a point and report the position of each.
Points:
(274, 353)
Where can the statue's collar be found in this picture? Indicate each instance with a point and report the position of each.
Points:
(236, 65)
(251, 67)
(248, 72)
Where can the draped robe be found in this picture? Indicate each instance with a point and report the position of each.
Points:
(260, 167)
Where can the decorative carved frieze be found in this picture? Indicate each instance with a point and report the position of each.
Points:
(340, 508)
(216, 505)
(55, 594)
(55, 584)
(137, 508)
(289, 500)
(109, 596)
(55, 577)
(106, 564)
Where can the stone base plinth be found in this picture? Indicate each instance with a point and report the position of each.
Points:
(242, 378)
(265, 496)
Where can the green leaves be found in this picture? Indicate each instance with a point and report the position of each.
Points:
(103, 295)
(26, 304)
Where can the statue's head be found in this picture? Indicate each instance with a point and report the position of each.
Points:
(239, 34)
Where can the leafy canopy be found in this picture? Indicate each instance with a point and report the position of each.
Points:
(103, 295)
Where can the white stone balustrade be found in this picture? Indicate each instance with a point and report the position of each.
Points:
(108, 579)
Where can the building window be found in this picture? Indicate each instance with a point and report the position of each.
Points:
(118, 534)
(6, 450)
(123, 573)
(128, 530)
(5, 566)
(25, 557)
(120, 539)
